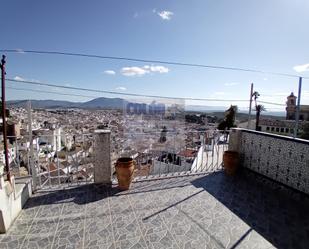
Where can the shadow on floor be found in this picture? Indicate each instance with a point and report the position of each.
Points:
(278, 213)
(79, 195)
(84, 194)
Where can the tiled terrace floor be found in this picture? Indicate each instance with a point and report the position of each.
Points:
(209, 211)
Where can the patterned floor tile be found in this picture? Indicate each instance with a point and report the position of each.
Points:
(72, 238)
(70, 222)
(210, 211)
(38, 241)
(99, 208)
(51, 210)
(29, 212)
(44, 226)
(125, 227)
(132, 243)
(150, 221)
(101, 246)
(163, 239)
(20, 227)
(72, 209)
(142, 201)
(120, 205)
(98, 232)
(11, 241)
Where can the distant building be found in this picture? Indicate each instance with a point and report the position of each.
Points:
(282, 127)
(291, 109)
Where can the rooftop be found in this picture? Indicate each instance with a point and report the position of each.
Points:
(201, 211)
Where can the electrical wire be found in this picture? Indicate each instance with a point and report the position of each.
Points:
(270, 103)
(118, 93)
(58, 93)
(121, 93)
(148, 61)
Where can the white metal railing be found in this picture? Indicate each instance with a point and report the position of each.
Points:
(184, 152)
(204, 154)
(54, 164)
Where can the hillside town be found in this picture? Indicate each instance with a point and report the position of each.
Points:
(161, 141)
(62, 140)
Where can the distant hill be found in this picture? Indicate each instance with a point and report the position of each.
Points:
(44, 103)
(201, 108)
(118, 103)
(98, 103)
(108, 103)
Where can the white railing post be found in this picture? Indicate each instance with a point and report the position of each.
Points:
(32, 167)
(102, 155)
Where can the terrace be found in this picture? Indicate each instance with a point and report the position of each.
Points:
(264, 206)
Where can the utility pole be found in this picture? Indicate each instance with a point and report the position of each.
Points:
(298, 107)
(250, 107)
(4, 127)
(32, 166)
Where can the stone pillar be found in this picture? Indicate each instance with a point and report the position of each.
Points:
(102, 157)
(235, 140)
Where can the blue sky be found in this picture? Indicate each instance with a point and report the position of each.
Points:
(270, 35)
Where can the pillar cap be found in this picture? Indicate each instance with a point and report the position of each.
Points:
(102, 131)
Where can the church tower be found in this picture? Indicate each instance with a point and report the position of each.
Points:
(291, 107)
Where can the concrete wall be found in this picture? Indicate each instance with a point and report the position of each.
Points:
(13, 198)
(280, 158)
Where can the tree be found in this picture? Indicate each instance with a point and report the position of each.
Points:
(229, 119)
(258, 109)
(255, 95)
(163, 135)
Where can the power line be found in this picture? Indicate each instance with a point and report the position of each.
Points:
(121, 93)
(270, 103)
(148, 61)
(92, 96)
(130, 94)
(58, 93)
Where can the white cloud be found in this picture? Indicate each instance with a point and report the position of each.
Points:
(231, 84)
(121, 88)
(110, 72)
(301, 68)
(139, 71)
(159, 69)
(165, 14)
(133, 71)
(19, 78)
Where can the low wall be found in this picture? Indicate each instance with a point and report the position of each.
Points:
(12, 199)
(283, 159)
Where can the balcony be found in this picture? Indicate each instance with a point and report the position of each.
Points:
(254, 209)
(209, 211)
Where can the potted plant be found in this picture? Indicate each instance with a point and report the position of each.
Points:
(230, 162)
(124, 171)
